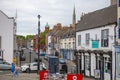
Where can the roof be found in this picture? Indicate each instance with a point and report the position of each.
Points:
(47, 25)
(70, 33)
(6, 15)
(98, 18)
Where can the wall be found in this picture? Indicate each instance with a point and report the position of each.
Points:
(67, 41)
(6, 33)
(93, 32)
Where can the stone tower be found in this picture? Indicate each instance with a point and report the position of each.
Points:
(47, 27)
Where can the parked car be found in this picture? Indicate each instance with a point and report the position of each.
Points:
(31, 67)
(62, 61)
(4, 65)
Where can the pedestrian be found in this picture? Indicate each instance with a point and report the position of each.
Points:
(12, 69)
(41, 66)
(16, 71)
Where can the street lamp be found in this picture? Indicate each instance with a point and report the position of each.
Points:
(38, 42)
(20, 50)
(30, 55)
(1, 54)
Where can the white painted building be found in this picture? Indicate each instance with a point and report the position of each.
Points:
(7, 36)
(95, 40)
(67, 44)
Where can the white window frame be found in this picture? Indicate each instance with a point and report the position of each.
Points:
(79, 40)
(104, 38)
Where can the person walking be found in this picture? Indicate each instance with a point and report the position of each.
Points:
(16, 71)
(12, 69)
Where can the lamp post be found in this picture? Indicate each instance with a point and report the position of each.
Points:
(38, 42)
(30, 55)
(20, 50)
(2, 55)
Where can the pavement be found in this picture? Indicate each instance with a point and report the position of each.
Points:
(31, 76)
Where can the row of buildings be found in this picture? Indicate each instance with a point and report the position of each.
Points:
(93, 42)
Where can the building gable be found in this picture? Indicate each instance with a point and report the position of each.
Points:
(98, 18)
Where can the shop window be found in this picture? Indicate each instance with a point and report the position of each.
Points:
(107, 65)
(98, 63)
(87, 63)
(118, 64)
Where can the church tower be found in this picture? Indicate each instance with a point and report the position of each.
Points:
(74, 17)
(47, 27)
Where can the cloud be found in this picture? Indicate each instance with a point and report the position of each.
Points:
(51, 11)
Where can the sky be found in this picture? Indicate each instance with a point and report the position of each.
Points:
(51, 11)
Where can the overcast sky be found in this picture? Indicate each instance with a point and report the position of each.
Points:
(51, 11)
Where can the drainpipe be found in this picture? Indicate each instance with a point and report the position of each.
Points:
(115, 51)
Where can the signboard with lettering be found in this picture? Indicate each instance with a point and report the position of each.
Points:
(74, 77)
(95, 44)
(44, 75)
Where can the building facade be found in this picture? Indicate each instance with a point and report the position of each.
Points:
(67, 44)
(95, 40)
(7, 36)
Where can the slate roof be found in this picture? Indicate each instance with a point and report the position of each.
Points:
(70, 33)
(98, 18)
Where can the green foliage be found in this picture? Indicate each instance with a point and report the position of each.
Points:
(29, 37)
(42, 41)
(20, 37)
(24, 37)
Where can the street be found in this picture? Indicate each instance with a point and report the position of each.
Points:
(70, 64)
(6, 75)
(31, 76)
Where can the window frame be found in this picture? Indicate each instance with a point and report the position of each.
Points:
(87, 62)
(87, 38)
(79, 40)
(104, 38)
(107, 64)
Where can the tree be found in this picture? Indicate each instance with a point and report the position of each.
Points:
(20, 37)
(29, 37)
